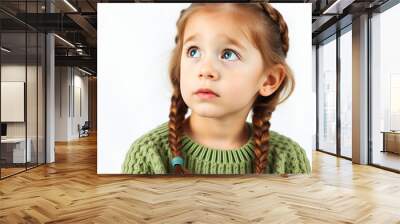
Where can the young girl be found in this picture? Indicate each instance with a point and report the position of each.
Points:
(229, 60)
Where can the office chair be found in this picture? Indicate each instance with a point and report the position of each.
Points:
(84, 130)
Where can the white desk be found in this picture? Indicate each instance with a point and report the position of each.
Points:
(19, 149)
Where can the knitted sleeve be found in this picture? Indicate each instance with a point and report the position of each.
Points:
(297, 161)
(143, 158)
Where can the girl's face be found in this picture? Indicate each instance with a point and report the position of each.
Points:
(217, 55)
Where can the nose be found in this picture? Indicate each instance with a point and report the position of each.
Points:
(208, 71)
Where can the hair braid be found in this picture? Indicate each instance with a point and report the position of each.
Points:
(277, 18)
(264, 106)
(177, 113)
(262, 112)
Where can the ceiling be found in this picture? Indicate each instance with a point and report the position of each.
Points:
(76, 22)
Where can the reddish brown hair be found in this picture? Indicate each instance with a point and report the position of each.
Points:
(270, 36)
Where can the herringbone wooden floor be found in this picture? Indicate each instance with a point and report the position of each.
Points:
(70, 191)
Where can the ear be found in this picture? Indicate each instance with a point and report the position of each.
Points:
(272, 79)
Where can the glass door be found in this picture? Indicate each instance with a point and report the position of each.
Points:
(346, 93)
(327, 95)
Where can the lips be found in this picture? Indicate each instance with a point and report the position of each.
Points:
(206, 94)
(206, 91)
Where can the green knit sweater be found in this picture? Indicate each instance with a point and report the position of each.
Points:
(150, 154)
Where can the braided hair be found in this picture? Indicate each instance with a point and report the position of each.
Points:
(272, 40)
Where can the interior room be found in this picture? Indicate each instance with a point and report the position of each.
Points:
(50, 126)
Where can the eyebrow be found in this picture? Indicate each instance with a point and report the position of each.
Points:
(233, 41)
(193, 37)
(227, 38)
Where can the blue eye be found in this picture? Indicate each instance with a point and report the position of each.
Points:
(230, 55)
(193, 52)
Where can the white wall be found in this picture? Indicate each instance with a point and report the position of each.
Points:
(80, 82)
(67, 117)
(133, 87)
(61, 103)
(314, 90)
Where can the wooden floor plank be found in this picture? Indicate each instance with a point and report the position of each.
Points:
(70, 191)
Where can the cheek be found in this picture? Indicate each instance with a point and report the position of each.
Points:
(185, 82)
(244, 81)
(184, 85)
(241, 93)
(186, 69)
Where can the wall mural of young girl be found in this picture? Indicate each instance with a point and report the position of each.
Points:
(229, 60)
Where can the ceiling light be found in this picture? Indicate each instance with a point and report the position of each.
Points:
(70, 5)
(5, 50)
(338, 6)
(65, 41)
(86, 72)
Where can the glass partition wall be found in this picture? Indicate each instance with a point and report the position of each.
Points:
(22, 77)
(327, 95)
(334, 80)
(385, 90)
(334, 83)
(346, 75)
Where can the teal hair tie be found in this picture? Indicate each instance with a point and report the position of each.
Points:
(177, 160)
